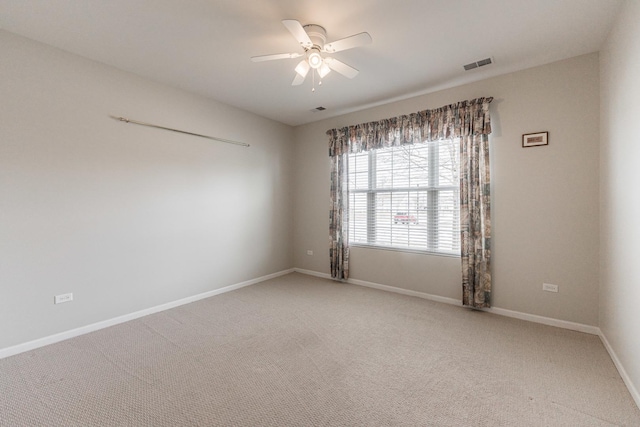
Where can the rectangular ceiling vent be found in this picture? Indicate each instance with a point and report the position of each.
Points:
(318, 109)
(477, 64)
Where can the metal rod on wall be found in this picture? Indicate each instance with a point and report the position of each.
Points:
(228, 141)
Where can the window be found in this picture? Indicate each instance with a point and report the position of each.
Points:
(406, 197)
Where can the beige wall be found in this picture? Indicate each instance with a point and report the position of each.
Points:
(123, 216)
(620, 203)
(545, 199)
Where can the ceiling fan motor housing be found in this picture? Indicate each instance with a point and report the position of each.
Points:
(317, 34)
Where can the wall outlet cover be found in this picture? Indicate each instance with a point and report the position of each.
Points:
(59, 299)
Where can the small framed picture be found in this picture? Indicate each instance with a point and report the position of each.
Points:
(535, 139)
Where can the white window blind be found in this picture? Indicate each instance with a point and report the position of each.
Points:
(406, 197)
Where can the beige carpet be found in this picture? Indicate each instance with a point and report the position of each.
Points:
(303, 351)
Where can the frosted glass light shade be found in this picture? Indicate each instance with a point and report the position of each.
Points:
(324, 70)
(302, 68)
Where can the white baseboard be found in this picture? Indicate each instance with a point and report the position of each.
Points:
(623, 373)
(393, 289)
(41, 342)
(550, 321)
(593, 330)
(313, 273)
(383, 287)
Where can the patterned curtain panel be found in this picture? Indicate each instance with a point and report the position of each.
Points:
(475, 220)
(339, 218)
(467, 120)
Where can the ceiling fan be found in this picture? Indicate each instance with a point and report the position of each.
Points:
(312, 39)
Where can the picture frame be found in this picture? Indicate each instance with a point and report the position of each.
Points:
(535, 139)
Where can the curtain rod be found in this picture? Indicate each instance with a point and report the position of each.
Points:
(228, 141)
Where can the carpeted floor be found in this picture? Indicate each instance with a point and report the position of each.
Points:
(304, 351)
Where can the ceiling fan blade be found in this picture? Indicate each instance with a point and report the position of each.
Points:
(275, 56)
(341, 67)
(298, 32)
(350, 42)
(298, 80)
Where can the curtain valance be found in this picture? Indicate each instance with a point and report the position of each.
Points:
(465, 118)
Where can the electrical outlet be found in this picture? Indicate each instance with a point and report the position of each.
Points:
(549, 287)
(59, 299)
(309, 252)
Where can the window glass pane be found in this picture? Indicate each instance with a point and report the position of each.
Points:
(448, 221)
(400, 204)
(384, 168)
(448, 159)
(420, 166)
(383, 218)
(358, 217)
(384, 178)
(401, 162)
(358, 171)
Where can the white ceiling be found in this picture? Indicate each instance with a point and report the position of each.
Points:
(419, 46)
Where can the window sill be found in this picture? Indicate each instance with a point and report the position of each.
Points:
(408, 250)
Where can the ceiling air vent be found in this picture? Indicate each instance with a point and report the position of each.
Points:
(477, 64)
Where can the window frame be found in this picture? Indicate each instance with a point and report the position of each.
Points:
(432, 191)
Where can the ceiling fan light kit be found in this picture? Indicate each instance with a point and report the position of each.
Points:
(314, 58)
(312, 39)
